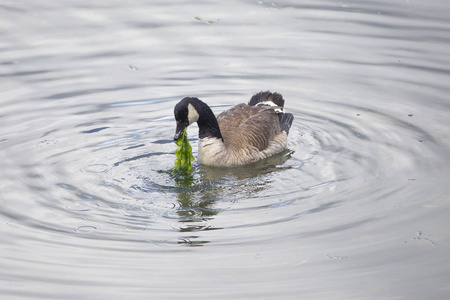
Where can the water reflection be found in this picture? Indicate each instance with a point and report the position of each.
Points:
(194, 199)
(194, 207)
(198, 190)
(266, 166)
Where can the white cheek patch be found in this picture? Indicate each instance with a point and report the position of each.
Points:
(192, 114)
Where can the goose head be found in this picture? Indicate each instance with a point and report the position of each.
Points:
(190, 110)
(185, 114)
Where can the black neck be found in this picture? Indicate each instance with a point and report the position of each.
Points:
(207, 121)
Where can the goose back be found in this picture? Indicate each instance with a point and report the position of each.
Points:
(249, 126)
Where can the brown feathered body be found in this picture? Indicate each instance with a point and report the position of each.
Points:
(250, 133)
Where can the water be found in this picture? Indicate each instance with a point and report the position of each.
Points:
(359, 210)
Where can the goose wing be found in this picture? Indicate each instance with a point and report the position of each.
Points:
(246, 126)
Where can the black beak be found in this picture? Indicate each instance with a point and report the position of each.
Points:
(180, 127)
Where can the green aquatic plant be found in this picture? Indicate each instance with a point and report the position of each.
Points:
(183, 154)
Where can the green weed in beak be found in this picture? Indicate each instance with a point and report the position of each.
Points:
(183, 153)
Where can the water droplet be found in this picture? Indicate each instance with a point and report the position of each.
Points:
(95, 168)
(85, 229)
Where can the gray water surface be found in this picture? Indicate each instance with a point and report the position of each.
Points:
(360, 210)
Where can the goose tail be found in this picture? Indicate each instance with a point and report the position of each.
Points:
(274, 99)
(285, 121)
(267, 98)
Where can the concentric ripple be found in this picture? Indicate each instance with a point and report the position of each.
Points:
(109, 180)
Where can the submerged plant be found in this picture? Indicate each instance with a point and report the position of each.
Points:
(183, 153)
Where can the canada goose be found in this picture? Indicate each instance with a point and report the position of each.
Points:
(240, 135)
